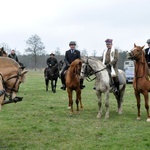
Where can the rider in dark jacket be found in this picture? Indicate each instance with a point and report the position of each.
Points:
(70, 56)
(13, 55)
(51, 61)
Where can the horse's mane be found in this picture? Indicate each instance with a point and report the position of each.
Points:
(96, 59)
(5, 61)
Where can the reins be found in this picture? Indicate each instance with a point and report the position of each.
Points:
(93, 72)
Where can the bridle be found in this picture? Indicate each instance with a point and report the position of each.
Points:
(12, 89)
(90, 72)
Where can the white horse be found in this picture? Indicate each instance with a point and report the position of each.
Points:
(94, 66)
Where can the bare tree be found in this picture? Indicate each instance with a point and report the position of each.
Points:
(84, 52)
(35, 47)
(57, 51)
(94, 53)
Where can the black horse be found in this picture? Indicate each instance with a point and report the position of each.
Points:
(52, 73)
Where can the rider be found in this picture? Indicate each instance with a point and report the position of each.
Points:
(147, 55)
(13, 55)
(110, 59)
(51, 61)
(70, 56)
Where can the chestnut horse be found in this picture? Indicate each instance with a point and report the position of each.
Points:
(73, 83)
(141, 83)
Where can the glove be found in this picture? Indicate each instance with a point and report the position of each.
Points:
(50, 65)
(108, 65)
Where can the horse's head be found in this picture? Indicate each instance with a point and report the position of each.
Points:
(86, 69)
(136, 53)
(12, 77)
(60, 65)
(2, 52)
(13, 82)
(76, 66)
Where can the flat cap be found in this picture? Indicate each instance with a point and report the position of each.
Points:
(108, 41)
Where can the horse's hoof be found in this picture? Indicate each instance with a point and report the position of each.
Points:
(98, 116)
(77, 112)
(69, 107)
(106, 116)
(82, 108)
(119, 111)
(148, 120)
(138, 118)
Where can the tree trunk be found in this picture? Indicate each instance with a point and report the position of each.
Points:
(35, 61)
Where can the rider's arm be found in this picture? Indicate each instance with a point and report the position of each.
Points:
(66, 59)
(115, 60)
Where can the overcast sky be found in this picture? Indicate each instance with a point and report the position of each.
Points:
(89, 22)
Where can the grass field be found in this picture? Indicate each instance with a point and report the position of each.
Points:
(42, 122)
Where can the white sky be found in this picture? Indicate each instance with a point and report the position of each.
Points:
(89, 22)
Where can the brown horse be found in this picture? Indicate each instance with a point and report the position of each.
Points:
(73, 83)
(11, 75)
(141, 83)
(2, 52)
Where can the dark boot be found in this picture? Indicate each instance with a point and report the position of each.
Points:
(116, 82)
(81, 84)
(63, 82)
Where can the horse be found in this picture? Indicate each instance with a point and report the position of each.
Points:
(93, 66)
(11, 76)
(2, 52)
(73, 83)
(141, 82)
(52, 74)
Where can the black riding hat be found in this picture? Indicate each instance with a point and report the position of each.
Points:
(72, 43)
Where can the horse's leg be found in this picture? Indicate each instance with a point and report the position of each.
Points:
(147, 105)
(99, 95)
(138, 99)
(52, 85)
(79, 98)
(107, 104)
(46, 82)
(120, 99)
(55, 85)
(70, 100)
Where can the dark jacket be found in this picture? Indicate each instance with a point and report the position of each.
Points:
(147, 56)
(70, 57)
(13, 56)
(51, 61)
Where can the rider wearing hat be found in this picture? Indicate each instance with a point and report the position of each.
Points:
(70, 56)
(51, 61)
(110, 59)
(147, 55)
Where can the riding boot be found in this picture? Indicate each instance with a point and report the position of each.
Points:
(116, 82)
(45, 73)
(81, 84)
(63, 82)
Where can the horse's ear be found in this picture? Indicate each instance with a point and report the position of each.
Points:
(142, 47)
(2, 48)
(134, 45)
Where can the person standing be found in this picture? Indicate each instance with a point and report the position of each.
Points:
(110, 59)
(13, 55)
(70, 55)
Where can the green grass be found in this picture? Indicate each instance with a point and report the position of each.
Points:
(42, 122)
